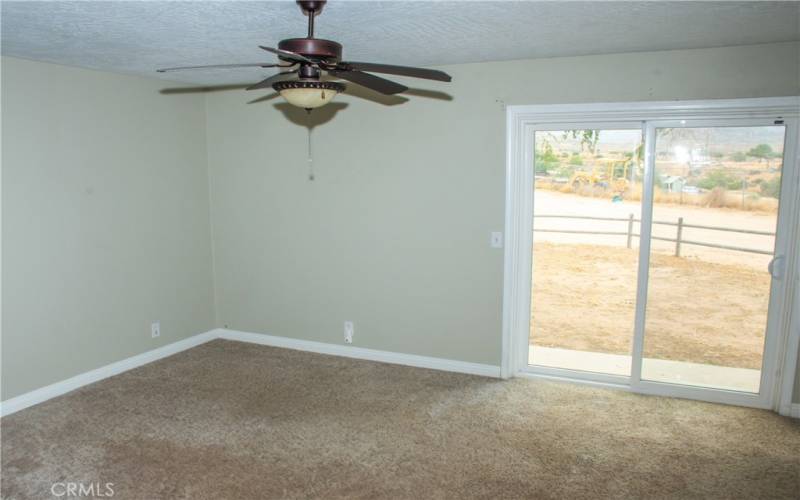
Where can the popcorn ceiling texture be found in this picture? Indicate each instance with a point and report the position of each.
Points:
(228, 420)
(138, 37)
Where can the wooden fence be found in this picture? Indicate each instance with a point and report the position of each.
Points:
(679, 240)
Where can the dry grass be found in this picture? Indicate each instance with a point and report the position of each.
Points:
(584, 297)
(716, 198)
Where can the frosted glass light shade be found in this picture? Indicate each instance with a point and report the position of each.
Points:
(308, 98)
(308, 94)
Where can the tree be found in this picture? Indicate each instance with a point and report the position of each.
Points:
(546, 159)
(588, 138)
(762, 152)
(576, 160)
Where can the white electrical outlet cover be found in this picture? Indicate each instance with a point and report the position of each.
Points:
(348, 332)
(497, 239)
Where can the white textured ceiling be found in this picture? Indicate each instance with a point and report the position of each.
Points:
(136, 37)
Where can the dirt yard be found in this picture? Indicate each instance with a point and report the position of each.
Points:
(705, 312)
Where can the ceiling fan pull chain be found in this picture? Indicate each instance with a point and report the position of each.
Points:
(310, 155)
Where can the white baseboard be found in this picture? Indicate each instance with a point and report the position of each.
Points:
(50, 391)
(42, 394)
(347, 351)
(790, 410)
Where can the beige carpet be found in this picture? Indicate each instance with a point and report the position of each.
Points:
(228, 420)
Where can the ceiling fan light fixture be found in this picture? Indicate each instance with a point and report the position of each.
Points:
(308, 94)
(316, 56)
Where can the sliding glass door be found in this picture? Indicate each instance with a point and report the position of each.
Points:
(658, 254)
(586, 212)
(715, 209)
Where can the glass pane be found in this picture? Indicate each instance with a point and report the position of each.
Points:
(714, 220)
(587, 207)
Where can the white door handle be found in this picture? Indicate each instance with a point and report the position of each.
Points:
(775, 271)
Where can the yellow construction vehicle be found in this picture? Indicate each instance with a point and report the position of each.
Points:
(608, 174)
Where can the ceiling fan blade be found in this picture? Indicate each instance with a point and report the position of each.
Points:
(225, 66)
(269, 81)
(287, 55)
(373, 82)
(430, 74)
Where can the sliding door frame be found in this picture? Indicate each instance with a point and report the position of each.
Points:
(780, 288)
(523, 121)
(528, 256)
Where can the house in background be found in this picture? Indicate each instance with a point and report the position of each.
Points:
(673, 183)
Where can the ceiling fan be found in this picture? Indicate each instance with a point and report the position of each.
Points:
(304, 60)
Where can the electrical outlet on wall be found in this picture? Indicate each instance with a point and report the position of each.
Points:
(155, 329)
(348, 332)
(496, 239)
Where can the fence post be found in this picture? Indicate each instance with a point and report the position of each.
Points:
(678, 237)
(630, 229)
(744, 190)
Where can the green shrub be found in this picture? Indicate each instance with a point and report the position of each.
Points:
(565, 171)
(720, 178)
(771, 187)
(546, 160)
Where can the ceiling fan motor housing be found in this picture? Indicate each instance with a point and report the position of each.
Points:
(316, 48)
(309, 6)
(310, 56)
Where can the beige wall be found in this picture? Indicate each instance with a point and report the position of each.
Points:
(105, 220)
(105, 205)
(394, 232)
